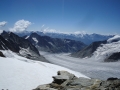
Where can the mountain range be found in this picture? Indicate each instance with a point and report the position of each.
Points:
(30, 46)
(32, 43)
(83, 37)
(54, 45)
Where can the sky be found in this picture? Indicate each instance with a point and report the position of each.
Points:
(90, 16)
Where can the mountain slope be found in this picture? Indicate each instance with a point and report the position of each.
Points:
(54, 45)
(88, 51)
(10, 41)
(107, 51)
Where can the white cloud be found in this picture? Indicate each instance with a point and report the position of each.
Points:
(80, 32)
(47, 30)
(3, 23)
(20, 26)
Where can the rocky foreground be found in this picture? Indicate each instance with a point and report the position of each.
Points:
(67, 81)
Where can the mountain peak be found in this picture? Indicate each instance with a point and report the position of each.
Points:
(77, 36)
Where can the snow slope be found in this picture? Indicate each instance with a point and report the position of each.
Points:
(19, 73)
(88, 66)
(106, 50)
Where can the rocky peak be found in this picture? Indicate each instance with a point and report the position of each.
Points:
(18, 44)
(88, 50)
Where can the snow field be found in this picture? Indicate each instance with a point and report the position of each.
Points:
(19, 73)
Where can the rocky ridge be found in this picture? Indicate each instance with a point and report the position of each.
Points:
(88, 50)
(54, 45)
(19, 45)
(67, 81)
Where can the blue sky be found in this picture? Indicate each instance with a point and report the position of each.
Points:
(91, 16)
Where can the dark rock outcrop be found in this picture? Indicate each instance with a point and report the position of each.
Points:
(1, 54)
(114, 57)
(75, 83)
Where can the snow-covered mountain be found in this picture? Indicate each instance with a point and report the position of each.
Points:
(108, 50)
(19, 73)
(10, 41)
(54, 45)
(88, 50)
(83, 37)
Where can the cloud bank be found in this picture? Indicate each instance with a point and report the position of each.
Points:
(20, 26)
(47, 30)
(3, 23)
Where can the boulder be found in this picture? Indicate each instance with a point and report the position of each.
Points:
(65, 73)
(67, 81)
(63, 76)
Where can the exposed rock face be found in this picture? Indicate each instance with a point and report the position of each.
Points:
(88, 51)
(67, 81)
(19, 45)
(114, 57)
(17, 42)
(111, 84)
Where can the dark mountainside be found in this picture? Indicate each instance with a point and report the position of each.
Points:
(88, 51)
(113, 58)
(54, 45)
(15, 43)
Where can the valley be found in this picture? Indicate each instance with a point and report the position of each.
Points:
(24, 64)
(89, 66)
